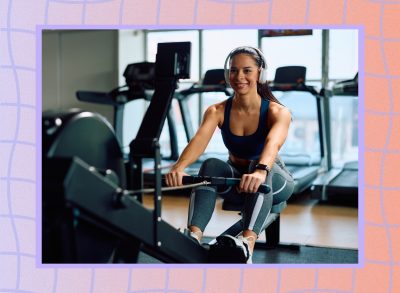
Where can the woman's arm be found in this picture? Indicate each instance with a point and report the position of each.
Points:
(196, 146)
(279, 119)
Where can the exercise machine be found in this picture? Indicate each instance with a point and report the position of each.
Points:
(88, 197)
(88, 214)
(139, 79)
(341, 182)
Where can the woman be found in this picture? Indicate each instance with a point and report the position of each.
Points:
(254, 126)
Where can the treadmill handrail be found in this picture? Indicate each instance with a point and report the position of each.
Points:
(198, 89)
(300, 87)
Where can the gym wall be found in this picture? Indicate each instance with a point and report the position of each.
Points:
(78, 60)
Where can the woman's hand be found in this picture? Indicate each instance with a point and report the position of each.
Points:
(251, 182)
(174, 177)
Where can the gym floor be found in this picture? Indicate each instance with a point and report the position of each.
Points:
(305, 221)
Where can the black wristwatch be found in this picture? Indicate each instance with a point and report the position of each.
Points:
(263, 167)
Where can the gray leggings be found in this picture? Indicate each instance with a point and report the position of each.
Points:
(255, 206)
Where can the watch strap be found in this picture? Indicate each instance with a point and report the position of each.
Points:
(263, 167)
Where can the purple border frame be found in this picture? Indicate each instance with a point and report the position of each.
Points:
(361, 147)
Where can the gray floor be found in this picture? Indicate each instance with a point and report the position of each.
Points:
(305, 255)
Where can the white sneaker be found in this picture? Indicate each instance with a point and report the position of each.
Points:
(246, 243)
(240, 245)
(191, 234)
(195, 237)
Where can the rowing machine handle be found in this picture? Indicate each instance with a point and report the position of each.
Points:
(264, 188)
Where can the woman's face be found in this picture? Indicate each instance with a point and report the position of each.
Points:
(243, 74)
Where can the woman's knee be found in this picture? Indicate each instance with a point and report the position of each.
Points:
(213, 167)
(282, 184)
(284, 195)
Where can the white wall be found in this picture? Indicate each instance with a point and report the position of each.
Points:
(131, 49)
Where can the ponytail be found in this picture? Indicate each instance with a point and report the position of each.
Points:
(265, 92)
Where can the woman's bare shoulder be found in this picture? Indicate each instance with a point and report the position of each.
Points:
(279, 111)
(216, 111)
(217, 108)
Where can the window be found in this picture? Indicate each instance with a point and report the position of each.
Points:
(343, 54)
(218, 43)
(302, 145)
(343, 65)
(344, 129)
(295, 50)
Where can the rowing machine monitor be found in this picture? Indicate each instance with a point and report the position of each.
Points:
(173, 59)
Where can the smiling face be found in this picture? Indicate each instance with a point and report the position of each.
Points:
(243, 74)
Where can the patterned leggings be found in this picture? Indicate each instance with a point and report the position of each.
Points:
(255, 206)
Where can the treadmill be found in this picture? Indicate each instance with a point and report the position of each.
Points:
(303, 150)
(340, 182)
(139, 85)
